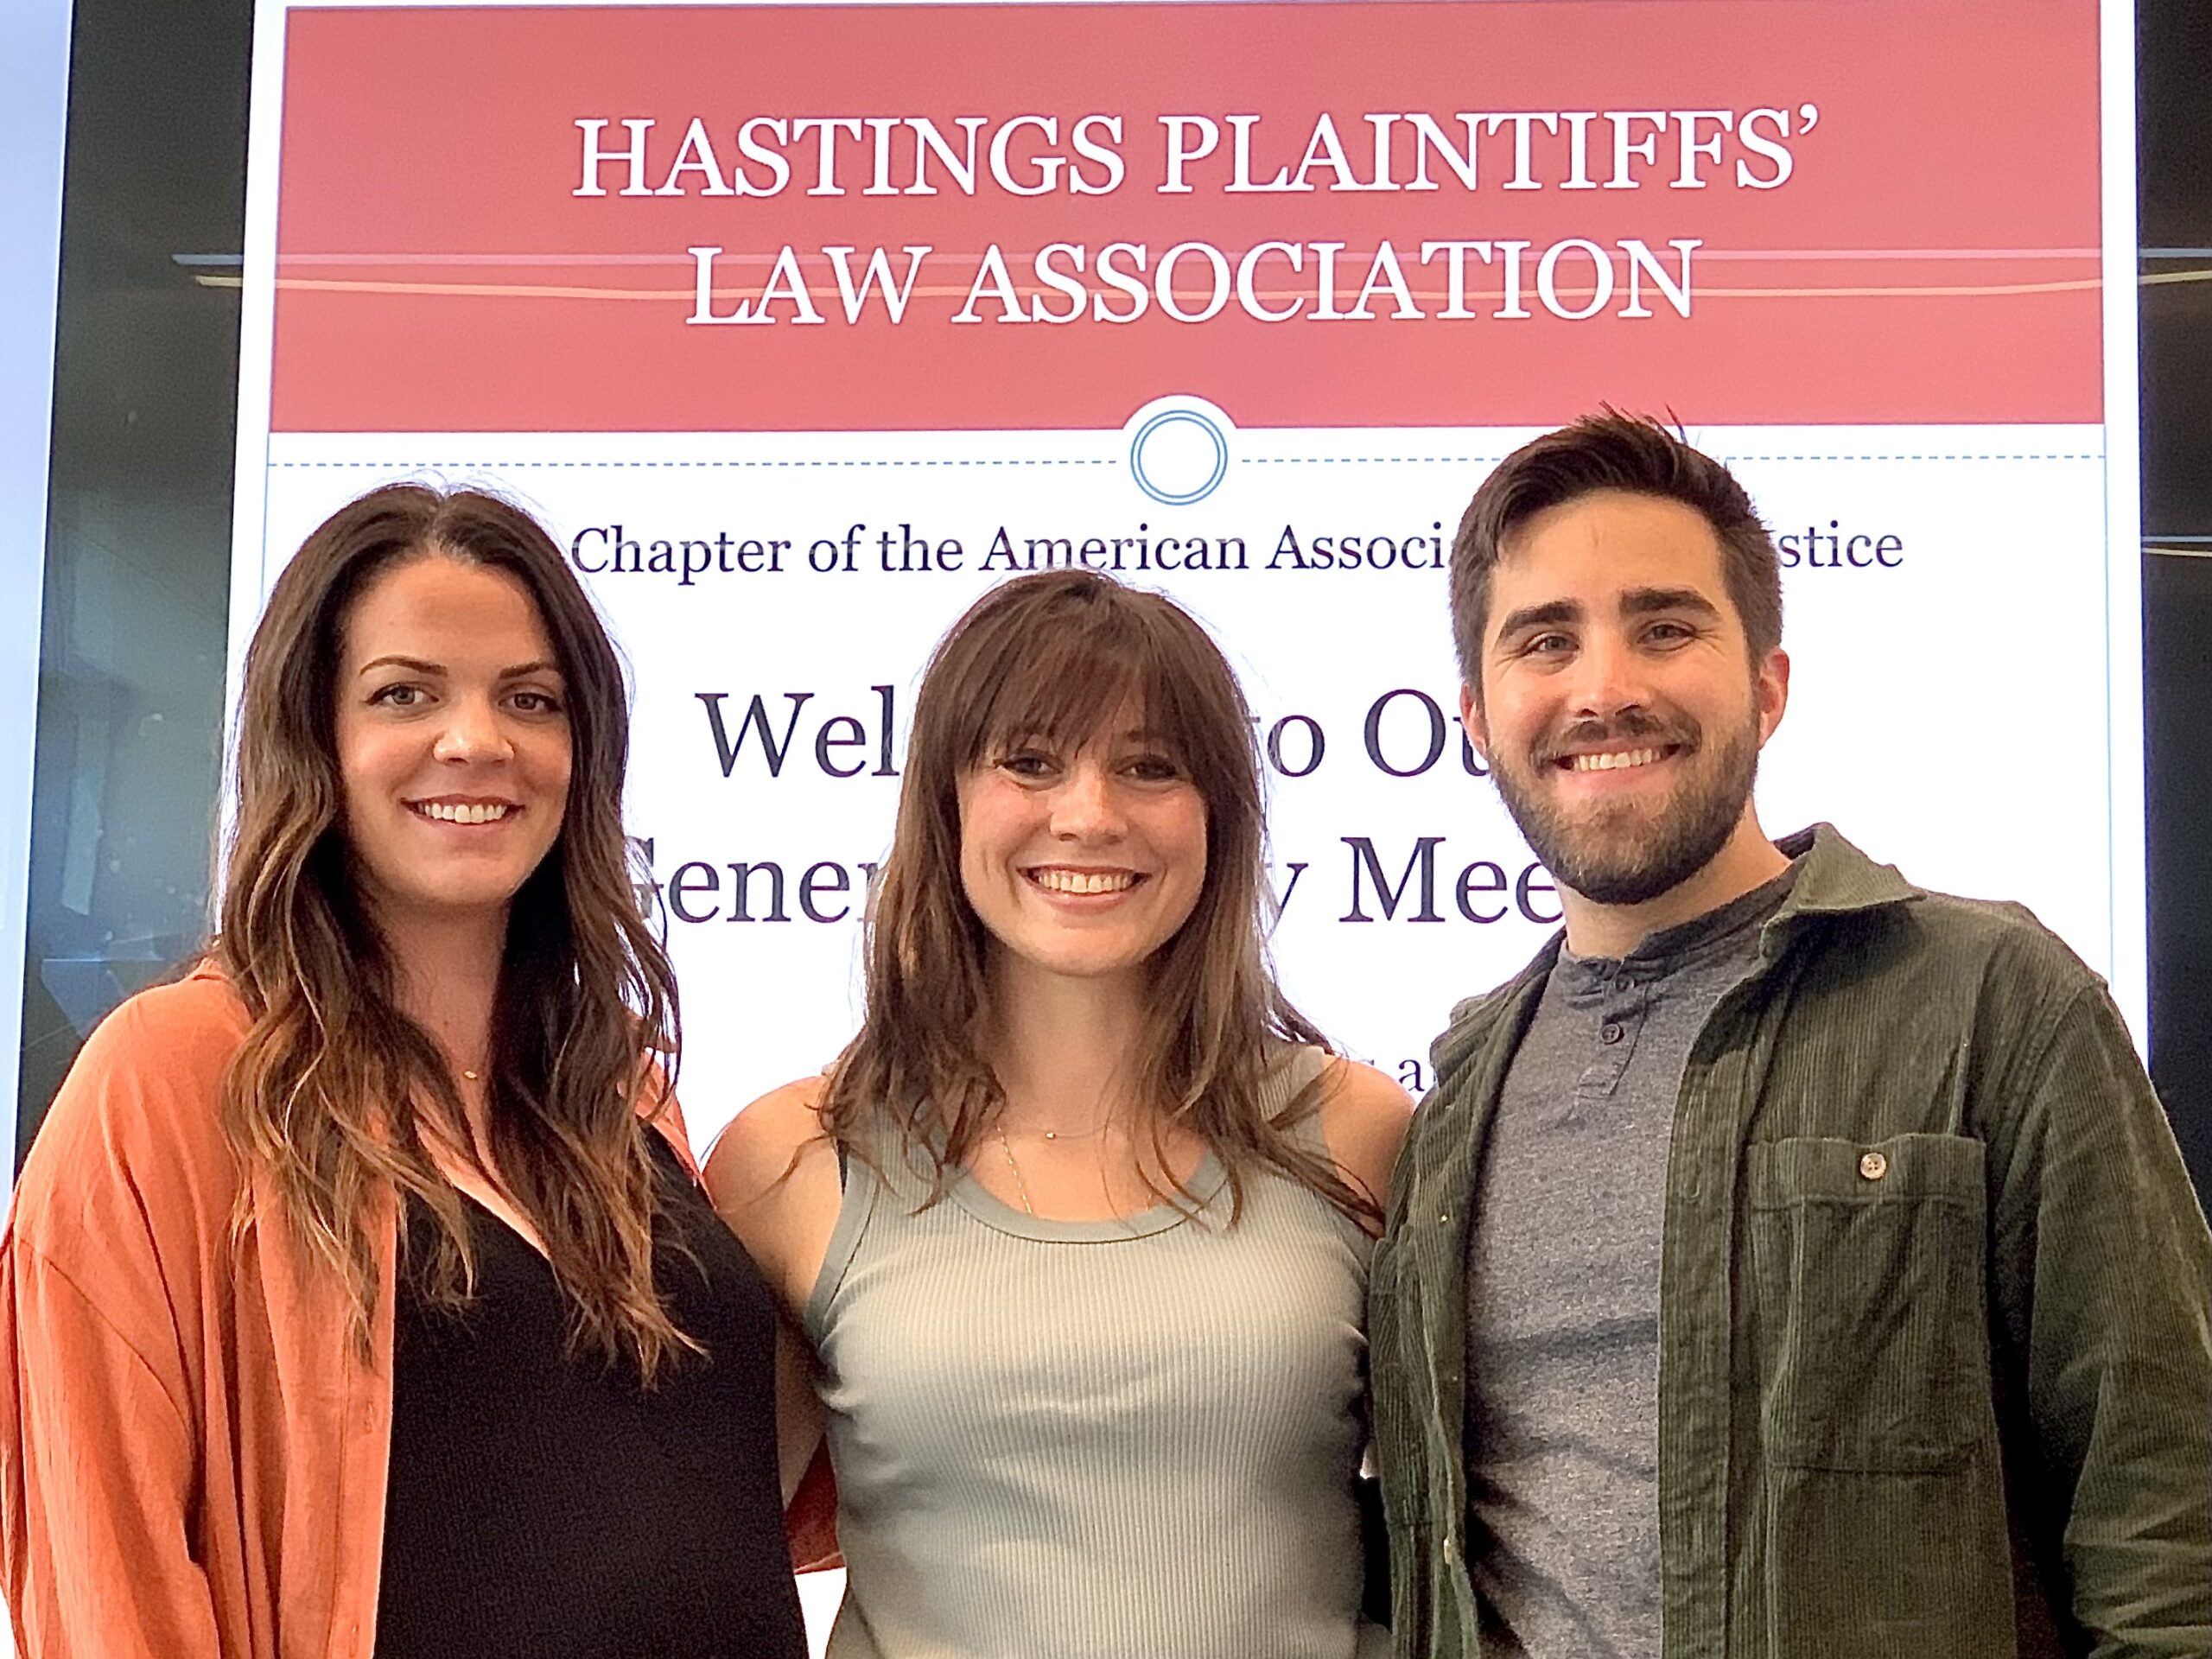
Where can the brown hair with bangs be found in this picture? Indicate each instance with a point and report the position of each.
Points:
(328, 1094)
(1050, 658)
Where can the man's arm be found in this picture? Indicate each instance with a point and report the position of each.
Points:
(2102, 1270)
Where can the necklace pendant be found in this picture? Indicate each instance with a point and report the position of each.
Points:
(1051, 1135)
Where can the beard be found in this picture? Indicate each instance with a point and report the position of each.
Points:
(1623, 852)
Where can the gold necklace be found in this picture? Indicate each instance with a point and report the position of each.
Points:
(1020, 1185)
(1090, 1134)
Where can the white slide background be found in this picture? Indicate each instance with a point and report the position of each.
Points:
(1904, 726)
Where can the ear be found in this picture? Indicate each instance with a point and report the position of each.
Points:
(1471, 717)
(1772, 689)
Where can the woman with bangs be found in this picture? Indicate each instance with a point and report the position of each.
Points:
(359, 1299)
(1078, 1226)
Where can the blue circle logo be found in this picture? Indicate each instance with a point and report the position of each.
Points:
(1179, 457)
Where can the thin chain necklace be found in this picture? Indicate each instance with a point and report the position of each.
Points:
(1053, 1136)
(1020, 1185)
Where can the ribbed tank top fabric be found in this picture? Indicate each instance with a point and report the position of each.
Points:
(1133, 1438)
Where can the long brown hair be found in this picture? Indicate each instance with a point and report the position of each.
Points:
(329, 1093)
(1049, 658)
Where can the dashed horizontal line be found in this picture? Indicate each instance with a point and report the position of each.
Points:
(1362, 460)
(1904, 457)
(474, 461)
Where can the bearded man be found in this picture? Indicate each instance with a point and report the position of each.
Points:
(1788, 1263)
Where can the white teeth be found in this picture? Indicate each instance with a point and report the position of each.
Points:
(485, 812)
(1613, 762)
(1083, 880)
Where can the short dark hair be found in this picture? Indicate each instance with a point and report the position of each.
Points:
(1611, 451)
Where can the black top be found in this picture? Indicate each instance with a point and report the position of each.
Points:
(545, 1507)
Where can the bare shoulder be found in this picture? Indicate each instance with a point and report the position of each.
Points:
(767, 1144)
(772, 1176)
(1363, 1118)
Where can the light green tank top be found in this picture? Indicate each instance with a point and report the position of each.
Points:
(1094, 1439)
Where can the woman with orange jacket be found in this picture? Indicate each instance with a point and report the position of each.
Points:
(359, 1299)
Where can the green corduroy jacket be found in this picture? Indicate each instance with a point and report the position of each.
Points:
(1935, 1373)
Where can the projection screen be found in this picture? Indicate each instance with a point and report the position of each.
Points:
(803, 325)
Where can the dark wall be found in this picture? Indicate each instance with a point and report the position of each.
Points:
(2178, 596)
(2175, 119)
(137, 560)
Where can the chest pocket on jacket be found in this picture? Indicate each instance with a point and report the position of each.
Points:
(1867, 1271)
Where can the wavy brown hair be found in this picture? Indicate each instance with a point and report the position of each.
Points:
(1050, 658)
(333, 1089)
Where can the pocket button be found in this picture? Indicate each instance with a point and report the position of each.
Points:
(1872, 1165)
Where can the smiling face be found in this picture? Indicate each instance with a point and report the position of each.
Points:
(1082, 862)
(453, 739)
(1620, 711)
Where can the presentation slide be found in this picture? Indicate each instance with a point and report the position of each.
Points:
(804, 324)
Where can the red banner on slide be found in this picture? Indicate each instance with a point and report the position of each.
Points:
(1497, 214)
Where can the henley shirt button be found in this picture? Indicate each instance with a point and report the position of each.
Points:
(1874, 1166)
(1611, 1033)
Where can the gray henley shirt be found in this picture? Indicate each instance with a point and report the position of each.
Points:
(1563, 1292)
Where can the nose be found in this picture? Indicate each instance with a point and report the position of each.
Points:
(1608, 678)
(473, 734)
(1085, 807)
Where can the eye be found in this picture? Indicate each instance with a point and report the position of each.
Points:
(1670, 633)
(1153, 769)
(535, 702)
(1547, 644)
(1031, 765)
(398, 695)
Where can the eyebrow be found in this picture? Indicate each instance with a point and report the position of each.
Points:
(1644, 601)
(1548, 614)
(418, 665)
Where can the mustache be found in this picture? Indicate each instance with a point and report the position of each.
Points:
(1628, 725)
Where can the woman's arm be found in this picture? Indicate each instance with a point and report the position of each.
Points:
(1364, 1114)
(798, 1408)
(1363, 1118)
(101, 1269)
(774, 1177)
(96, 1471)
